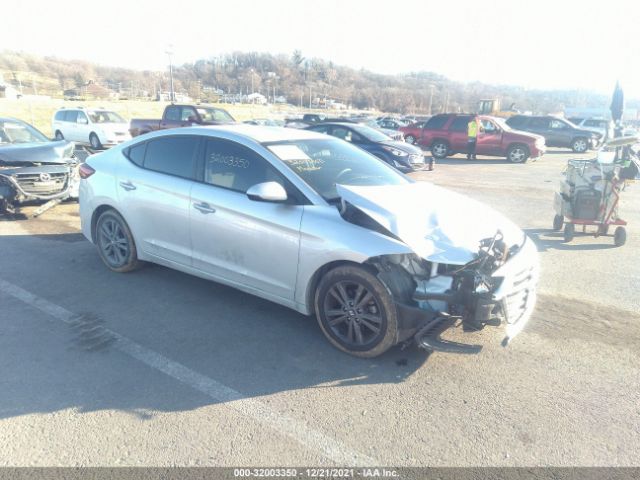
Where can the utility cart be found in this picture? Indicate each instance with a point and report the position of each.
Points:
(590, 191)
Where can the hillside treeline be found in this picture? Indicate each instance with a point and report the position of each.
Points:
(298, 79)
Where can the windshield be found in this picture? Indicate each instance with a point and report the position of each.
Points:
(371, 133)
(323, 163)
(105, 117)
(19, 132)
(215, 115)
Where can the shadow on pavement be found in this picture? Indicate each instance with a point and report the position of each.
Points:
(547, 239)
(251, 345)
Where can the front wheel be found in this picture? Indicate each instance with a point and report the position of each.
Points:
(356, 312)
(59, 135)
(518, 154)
(95, 142)
(580, 145)
(620, 236)
(440, 149)
(115, 243)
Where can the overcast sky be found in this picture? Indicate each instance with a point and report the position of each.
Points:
(538, 43)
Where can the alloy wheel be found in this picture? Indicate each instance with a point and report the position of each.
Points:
(113, 243)
(353, 314)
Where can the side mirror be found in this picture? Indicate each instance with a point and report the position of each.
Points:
(267, 192)
(192, 119)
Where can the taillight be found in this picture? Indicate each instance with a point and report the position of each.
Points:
(86, 170)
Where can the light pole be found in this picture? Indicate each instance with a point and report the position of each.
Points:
(169, 52)
(431, 87)
(252, 90)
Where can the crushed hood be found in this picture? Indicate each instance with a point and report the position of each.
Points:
(45, 152)
(437, 224)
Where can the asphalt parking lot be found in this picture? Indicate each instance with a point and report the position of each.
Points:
(160, 368)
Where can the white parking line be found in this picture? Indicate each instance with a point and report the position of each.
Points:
(314, 440)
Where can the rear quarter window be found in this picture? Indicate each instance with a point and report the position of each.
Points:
(136, 153)
(517, 122)
(60, 116)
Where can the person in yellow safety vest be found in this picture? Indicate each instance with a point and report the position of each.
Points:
(473, 128)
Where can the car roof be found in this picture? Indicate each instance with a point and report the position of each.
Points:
(257, 133)
(12, 119)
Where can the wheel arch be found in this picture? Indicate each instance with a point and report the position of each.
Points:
(312, 285)
(96, 214)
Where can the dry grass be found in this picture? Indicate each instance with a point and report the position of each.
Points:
(40, 112)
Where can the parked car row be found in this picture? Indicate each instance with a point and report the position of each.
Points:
(446, 134)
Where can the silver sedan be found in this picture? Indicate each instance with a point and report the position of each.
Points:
(313, 223)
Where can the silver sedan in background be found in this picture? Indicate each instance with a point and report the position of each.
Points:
(313, 223)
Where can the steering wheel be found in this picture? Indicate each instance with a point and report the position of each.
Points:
(343, 172)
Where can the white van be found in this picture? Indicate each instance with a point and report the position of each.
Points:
(97, 127)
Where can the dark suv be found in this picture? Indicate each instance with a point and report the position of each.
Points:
(556, 131)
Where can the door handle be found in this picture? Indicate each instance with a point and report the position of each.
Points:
(204, 208)
(128, 186)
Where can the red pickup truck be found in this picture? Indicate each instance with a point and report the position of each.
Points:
(176, 116)
(446, 134)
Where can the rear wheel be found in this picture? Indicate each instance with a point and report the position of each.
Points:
(569, 231)
(356, 312)
(580, 145)
(95, 141)
(440, 149)
(620, 236)
(518, 153)
(558, 221)
(410, 139)
(115, 243)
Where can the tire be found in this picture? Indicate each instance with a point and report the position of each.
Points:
(94, 141)
(356, 312)
(440, 149)
(410, 139)
(58, 135)
(580, 145)
(569, 232)
(518, 153)
(112, 230)
(558, 222)
(620, 236)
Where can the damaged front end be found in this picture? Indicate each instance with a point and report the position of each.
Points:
(470, 266)
(497, 288)
(23, 180)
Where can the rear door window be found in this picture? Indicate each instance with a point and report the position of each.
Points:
(460, 124)
(539, 123)
(174, 155)
(70, 116)
(436, 123)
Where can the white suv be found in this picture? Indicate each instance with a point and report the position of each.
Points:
(98, 128)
